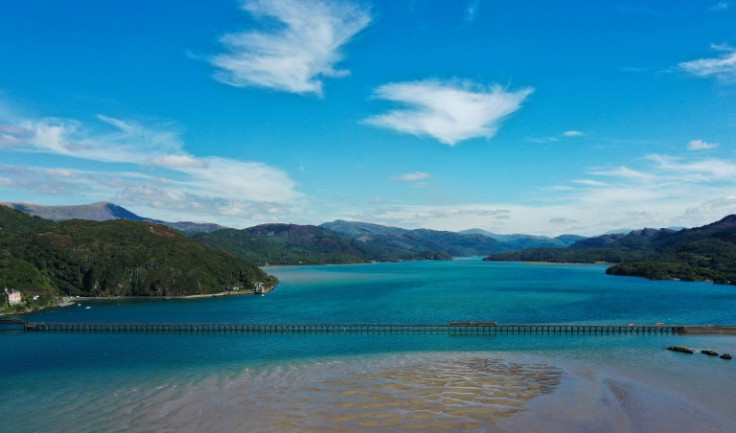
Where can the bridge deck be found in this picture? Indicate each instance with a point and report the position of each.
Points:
(451, 328)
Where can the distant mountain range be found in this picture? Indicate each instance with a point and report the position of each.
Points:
(103, 211)
(106, 232)
(292, 244)
(706, 253)
(417, 240)
(333, 242)
(520, 241)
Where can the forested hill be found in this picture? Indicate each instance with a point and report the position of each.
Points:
(113, 258)
(517, 242)
(383, 237)
(293, 244)
(706, 253)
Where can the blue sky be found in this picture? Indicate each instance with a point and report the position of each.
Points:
(516, 117)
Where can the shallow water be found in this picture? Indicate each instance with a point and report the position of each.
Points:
(384, 382)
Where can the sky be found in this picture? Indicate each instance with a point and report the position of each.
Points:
(520, 116)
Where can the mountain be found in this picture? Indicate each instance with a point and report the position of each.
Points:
(100, 211)
(356, 229)
(103, 211)
(706, 253)
(517, 242)
(292, 244)
(418, 240)
(113, 258)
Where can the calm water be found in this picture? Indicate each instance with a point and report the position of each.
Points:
(355, 382)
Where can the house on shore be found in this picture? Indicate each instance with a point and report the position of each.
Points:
(258, 289)
(15, 297)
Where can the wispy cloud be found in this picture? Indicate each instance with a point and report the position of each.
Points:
(472, 10)
(701, 145)
(721, 6)
(296, 55)
(177, 161)
(142, 165)
(695, 170)
(722, 68)
(654, 190)
(414, 176)
(447, 111)
(124, 142)
(556, 138)
(41, 180)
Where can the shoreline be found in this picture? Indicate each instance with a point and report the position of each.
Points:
(68, 301)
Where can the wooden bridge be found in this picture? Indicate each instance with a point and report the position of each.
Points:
(444, 328)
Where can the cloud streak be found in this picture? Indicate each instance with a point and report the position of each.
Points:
(701, 145)
(414, 176)
(296, 55)
(723, 68)
(449, 112)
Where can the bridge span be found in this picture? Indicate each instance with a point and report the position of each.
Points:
(455, 327)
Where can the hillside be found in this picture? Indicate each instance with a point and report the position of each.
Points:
(418, 240)
(706, 253)
(113, 258)
(104, 211)
(292, 244)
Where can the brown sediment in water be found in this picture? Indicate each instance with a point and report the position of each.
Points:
(433, 392)
(428, 393)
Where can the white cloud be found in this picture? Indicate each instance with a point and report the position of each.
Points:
(143, 166)
(623, 172)
(590, 182)
(296, 55)
(722, 68)
(240, 180)
(447, 111)
(713, 210)
(701, 145)
(554, 139)
(124, 142)
(653, 191)
(411, 177)
(696, 170)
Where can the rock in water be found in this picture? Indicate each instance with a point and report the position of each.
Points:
(709, 352)
(726, 356)
(681, 349)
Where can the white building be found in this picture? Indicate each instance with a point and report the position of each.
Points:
(259, 289)
(14, 297)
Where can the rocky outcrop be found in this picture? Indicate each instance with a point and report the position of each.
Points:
(681, 349)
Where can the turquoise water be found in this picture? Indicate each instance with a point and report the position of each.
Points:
(161, 382)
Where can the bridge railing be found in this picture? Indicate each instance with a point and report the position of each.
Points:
(450, 328)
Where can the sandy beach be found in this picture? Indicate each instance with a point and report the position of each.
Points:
(429, 392)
